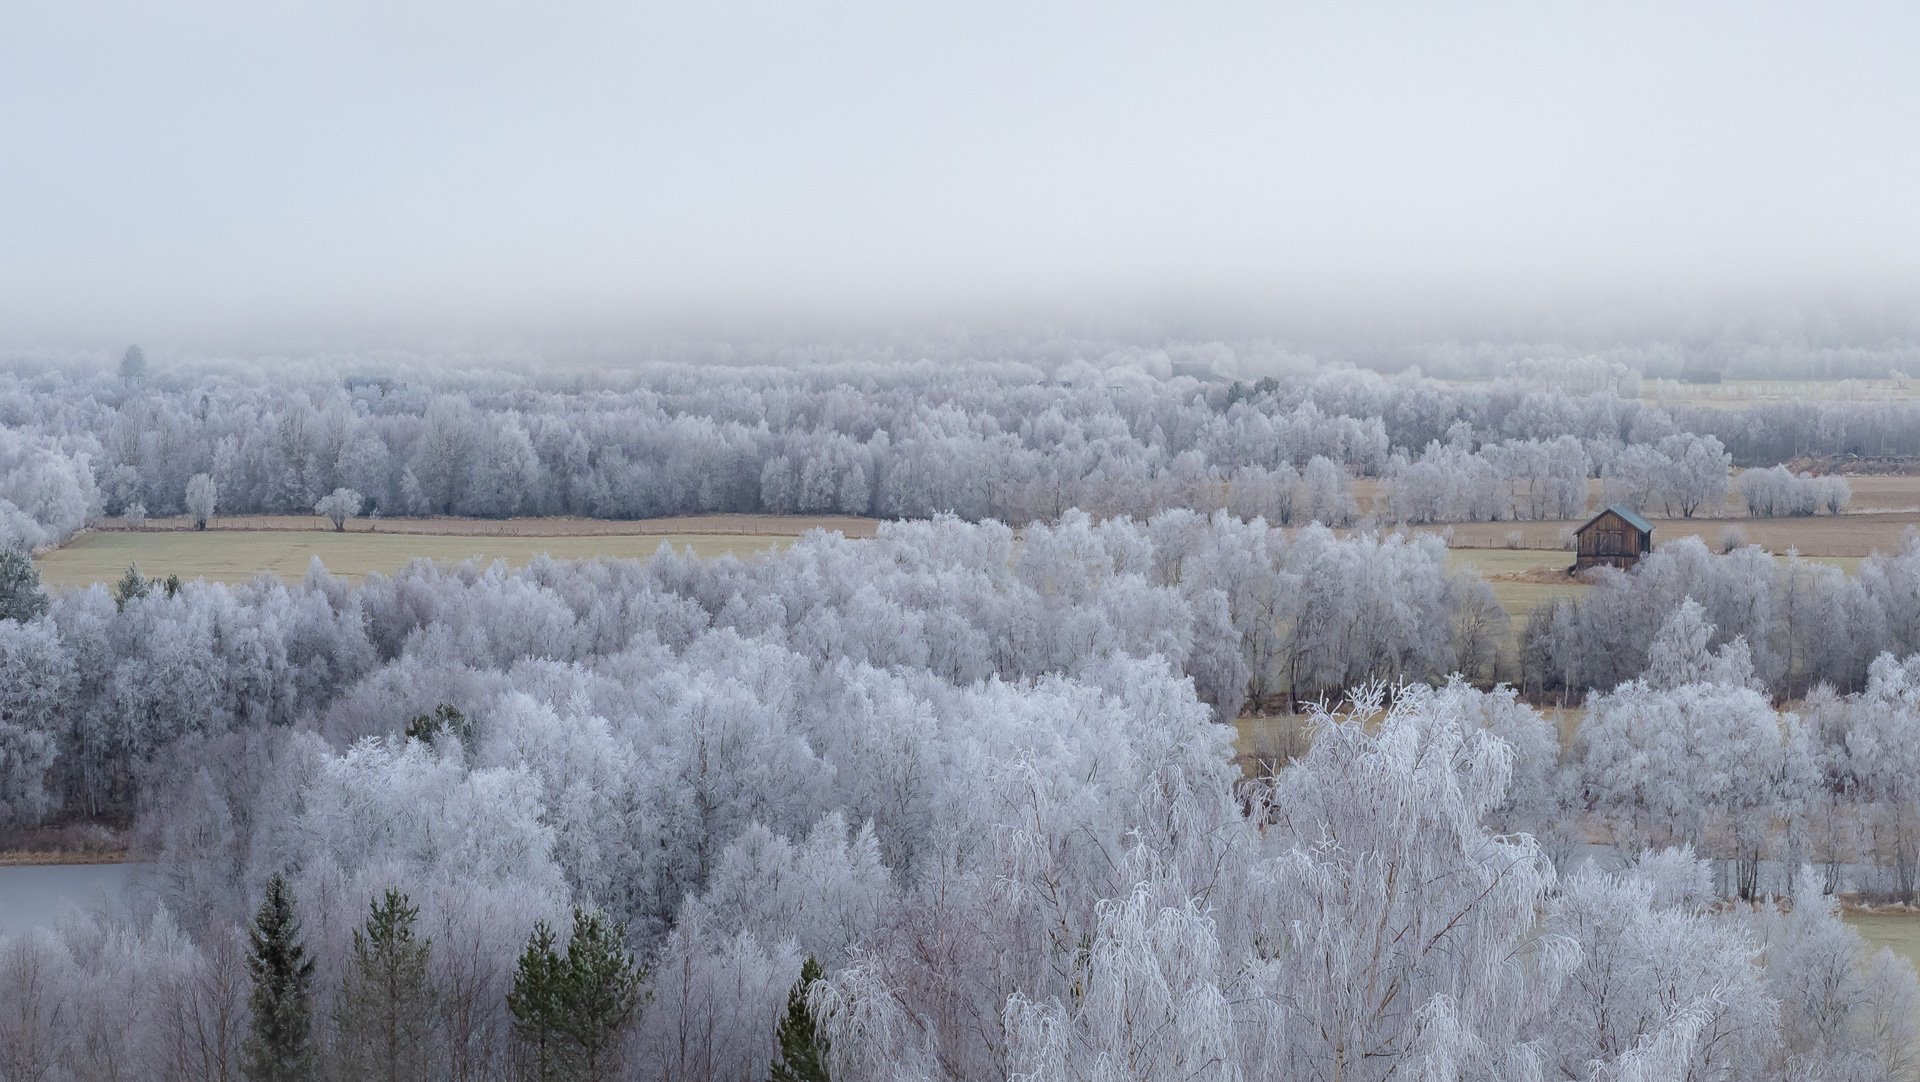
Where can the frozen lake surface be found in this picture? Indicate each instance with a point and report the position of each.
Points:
(34, 895)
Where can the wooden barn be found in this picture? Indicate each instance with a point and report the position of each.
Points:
(1615, 537)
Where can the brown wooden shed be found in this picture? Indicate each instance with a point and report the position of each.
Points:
(1615, 537)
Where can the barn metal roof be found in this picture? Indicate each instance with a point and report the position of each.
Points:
(1633, 520)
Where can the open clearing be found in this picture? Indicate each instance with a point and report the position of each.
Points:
(236, 550)
(1898, 931)
(1507, 571)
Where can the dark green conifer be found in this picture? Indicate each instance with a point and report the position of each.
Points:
(386, 1012)
(570, 1011)
(279, 1047)
(537, 1001)
(447, 718)
(803, 1047)
(130, 586)
(603, 992)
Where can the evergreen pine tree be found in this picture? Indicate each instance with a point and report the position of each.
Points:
(537, 1001)
(448, 718)
(570, 1011)
(20, 596)
(386, 1013)
(130, 586)
(602, 992)
(279, 1047)
(802, 1045)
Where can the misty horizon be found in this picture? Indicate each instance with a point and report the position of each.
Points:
(350, 177)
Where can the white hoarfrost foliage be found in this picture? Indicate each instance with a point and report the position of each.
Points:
(202, 494)
(1845, 1011)
(1394, 927)
(1384, 932)
(1701, 764)
(36, 676)
(1512, 480)
(1779, 493)
(1679, 654)
(1802, 624)
(1148, 1006)
(1664, 989)
(46, 492)
(339, 506)
(847, 431)
(977, 772)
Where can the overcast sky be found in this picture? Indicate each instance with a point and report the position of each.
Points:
(216, 174)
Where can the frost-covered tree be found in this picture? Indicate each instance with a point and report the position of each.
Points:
(1844, 1008)
(1779, 492)
(133, 366)
(1326, 493)
(1803, 623)
(341, 505)
(201, 496)
(20, 596)
(36, 678)
(1693, 475)
(1662, 986)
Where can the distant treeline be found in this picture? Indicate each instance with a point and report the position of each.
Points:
(1012, 442)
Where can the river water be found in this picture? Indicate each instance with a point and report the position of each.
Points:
(34, 895)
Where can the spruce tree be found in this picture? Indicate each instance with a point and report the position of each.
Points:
(602, 992)
(448, 718)
(802, 1045)
(20, 596)
(537, 1001)
(386, 1012)
(279, 1047)
(570, 1011)
(130, 586)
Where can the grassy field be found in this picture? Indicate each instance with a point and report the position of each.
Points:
(1898, 931)
(1514, 574)
(237, 550)
(1503, 569)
